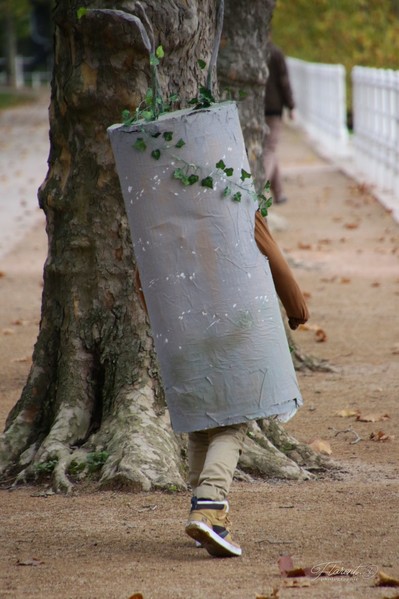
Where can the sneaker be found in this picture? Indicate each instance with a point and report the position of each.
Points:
(208, 524)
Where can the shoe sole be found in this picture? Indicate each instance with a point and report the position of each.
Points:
(213, 543)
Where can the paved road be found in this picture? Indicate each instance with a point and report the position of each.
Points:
(24, 148)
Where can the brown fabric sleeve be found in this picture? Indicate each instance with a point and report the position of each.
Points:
(286, 286)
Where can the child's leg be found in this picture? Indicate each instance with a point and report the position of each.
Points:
(213, 458)
(198, 443)
(225, 444)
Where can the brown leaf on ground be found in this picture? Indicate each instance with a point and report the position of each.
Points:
(384, 580)
(395, 349)
(2, 274)
(345, 280)
(275, 594)
(351, 225)
(372, 417)
(375, 284)
(304, 246)
(321, 446)
(30, 562)
(7, 332)
(347, 413)
(320, 334)
(294, 583)
(381, 436)
(285, 564)
(21, 360)
(136, 596)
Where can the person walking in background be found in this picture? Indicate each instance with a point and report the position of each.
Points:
(279, 95)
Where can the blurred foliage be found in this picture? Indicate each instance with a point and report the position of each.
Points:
(19, 11)
(348, 32)
(9, 99)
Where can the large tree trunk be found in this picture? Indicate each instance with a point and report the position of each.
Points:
(94, 399)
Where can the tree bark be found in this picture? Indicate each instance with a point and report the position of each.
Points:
(93, 399)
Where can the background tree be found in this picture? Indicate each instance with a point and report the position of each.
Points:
(93, 398)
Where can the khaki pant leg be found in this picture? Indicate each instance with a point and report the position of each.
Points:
(225, 444)
(198, 443)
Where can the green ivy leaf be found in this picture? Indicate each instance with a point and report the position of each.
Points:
(168, 135)
(245, 175)
(179, 174)
(140, 144)
(263, 211)
(156, 134)
(207, 94)
(81, 12)
(237, 196)
(154, 62)
(201, 63)
(193, 179)
(226, 191)
(242, 94)
(147, 115)
(180, 143)
(148, 95)
(159, 52)
(221, 164)
(126, 117)
(207, 182)
(156, 154)
(229, 171)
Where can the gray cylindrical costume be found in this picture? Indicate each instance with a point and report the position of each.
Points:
(214, 313)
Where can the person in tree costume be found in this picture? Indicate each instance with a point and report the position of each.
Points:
(213, 452)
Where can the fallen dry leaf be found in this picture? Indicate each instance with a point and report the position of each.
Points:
(23, 359)
(7, 332)
(304, 246)
(351, 225)
(136, 596)
(294, 583)
(275, 594)
(2, 274)
(372, 417)
(285, 564)
(347, 413)
(375, 284)
(320, 334)
(384, 580)
(345, 280)
(30, 562)
(381, 436)
(321, 446)
(395, 349)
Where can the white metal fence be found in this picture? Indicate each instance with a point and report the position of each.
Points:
(372, 152)
(22, 78)
(376, 126)
(320, 96)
